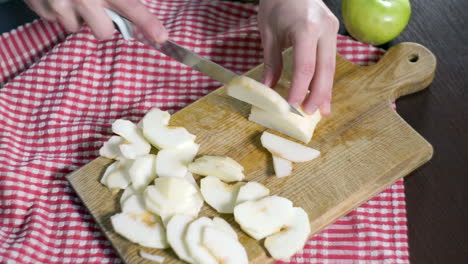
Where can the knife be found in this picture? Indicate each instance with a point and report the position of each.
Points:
(177, 52)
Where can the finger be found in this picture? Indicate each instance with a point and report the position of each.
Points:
(272, 58)
(304, 53)
(42, 8)
(322, 83)
(66, 15)
(139, 14)
(100, 23)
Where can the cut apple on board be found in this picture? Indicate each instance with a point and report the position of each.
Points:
(223, 225)
(135, 145)
(129, 191)
(170, 196)
(287, 149)
(116, 175)
(173, 162)
(156, 129)
(263, 217)
(111, 148)
(143, 171)
(176, 230)
(193, 240)
(223, 168)
(251, 191)
(133, 205)
(257, 94)
(291, 238)
(146, 229)
(219, 195)
(283, 167)
(225, 248)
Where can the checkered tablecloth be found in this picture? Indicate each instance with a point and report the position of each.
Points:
(60, 93)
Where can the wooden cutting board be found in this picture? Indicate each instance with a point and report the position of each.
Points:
(365, 145)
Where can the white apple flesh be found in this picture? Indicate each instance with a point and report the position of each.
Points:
(251, 191)
(223, 168)
(287, 149)
(219, 195)
(283, 167)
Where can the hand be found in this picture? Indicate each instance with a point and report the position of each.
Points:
(312, 30)
(71, 13)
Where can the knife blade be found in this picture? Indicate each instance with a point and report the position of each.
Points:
(178, 52)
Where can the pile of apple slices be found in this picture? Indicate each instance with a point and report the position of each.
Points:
(161, 200)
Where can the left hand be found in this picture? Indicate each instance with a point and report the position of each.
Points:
(312, 30)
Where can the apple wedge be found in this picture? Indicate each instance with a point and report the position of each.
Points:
(287, 149)
(292, 238)
(159, 134)
(143, 171)
(223, 246)
(251, 191)
(263, 217)
(116, 175)
(193, 239)
(283, 167)
(189, 177)
(129, 191)
(169, 196)
(223, 168)
(133, 205)
(221, 224)
(173, 162)
(137, 145)
(176, 230)
(219, 195)
(111, 148)
(145, 230)
(255, 93)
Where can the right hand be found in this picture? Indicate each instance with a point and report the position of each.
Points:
(72, 13)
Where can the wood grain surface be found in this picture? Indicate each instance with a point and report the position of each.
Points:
(365, 146)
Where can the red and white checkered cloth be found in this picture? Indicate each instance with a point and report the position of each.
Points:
(59, 95)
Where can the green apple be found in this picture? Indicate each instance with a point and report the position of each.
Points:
(375, 21)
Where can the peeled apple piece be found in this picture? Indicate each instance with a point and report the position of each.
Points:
(173, 162)
(283, 167)
(146, 230)
(129, 191)
(176, 230)
(251, 191)
(116, 175)
(287, 149)
(170, 196)
(133, 205)
(223, 168)
(111, 148)
(159, 134)
(263, 217)
(193, 240)
(136, 144)
(223, 225)
(257, 94)
(143, 171)
(219, 195)
(224, 247)
(292, 238)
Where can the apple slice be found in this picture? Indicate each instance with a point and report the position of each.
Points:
(143, 171)
(176, 230)
(283, 167)
(224, 247)
(221, 224)
(116, 175)
(193, 239)
(219, 195)
(129, 191)
(189, 178)
(133, 205)
(255, 93)
(169, 196)
(263, 217)
(137, 145)
(146, 230)
(292, 238)
(224, 168)
(173, 162)
(111, 148)
(251, 191)
(287, 149)
(159, 134)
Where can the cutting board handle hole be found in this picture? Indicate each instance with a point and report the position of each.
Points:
(413, 58)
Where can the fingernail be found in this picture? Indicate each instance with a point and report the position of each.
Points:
(295, 104)
(325, 109)
(311, 108)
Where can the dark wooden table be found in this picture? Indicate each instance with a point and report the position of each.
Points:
(437, 193)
